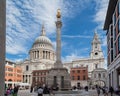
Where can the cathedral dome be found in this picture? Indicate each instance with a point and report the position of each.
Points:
(43, 40)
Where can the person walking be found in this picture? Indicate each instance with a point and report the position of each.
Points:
(15, 90)
(111, 90)
(40, 91)
(98, 91)
(31, 89)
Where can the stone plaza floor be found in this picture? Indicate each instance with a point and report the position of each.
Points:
(79, 93)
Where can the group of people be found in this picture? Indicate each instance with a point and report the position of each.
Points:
(107, 91)
(11, 91)
(41, 90)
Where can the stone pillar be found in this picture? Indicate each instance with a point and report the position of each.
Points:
(58, 63)
(115, 81)
(2, 45)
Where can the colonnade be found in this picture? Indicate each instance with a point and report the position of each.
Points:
(43, 55)
(27, 79)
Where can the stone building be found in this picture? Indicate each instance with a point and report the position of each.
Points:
(112, 26)
(79, 76)
(99, 77)
(41, 57)
(96, 59)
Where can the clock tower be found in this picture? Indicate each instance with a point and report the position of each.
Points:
(96, 51)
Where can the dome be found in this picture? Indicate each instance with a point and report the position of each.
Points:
(43, 40)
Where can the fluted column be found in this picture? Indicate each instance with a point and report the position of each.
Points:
(58, 63)
(2, 45)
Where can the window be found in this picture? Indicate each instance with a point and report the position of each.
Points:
(94, 75)
(78, 71)
(95, 45)
(83, 71)
(119, 44)
(27, 67)
(96, 66)
(10, 69)
(119, 7)
(99, 75)
(73, 71)
(114, 50)
(73, 78)
(78, 77)
(84, 77)
(111, 55)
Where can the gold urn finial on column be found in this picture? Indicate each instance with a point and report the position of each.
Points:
(58, 13)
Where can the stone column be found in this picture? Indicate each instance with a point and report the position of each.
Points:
(58, 63)
(115, 81)
(2, 45)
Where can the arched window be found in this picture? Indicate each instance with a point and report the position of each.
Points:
(10, 80)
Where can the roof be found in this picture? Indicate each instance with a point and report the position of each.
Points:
(110, 11)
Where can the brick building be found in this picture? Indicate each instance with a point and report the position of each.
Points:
(13, 74)
(39, 77)
(79, 76)
(112, 26)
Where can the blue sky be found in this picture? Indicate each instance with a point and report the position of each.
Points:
(80, 19)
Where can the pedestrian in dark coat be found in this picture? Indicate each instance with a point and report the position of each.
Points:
(111, 90)
(98, 91)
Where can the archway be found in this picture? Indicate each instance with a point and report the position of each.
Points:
(100, 83)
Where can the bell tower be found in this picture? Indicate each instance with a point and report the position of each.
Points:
(96, 51)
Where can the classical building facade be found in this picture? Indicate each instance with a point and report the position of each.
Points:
(13, 74)
(96, 59)
(112, 26)
(41, 57)
(79, 76)
(99, 77)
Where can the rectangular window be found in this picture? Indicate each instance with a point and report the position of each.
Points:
(78, 71)
(78, 77)
(119, 25)
(73, 71)
(111, 42)
(84, 78)
(83, 71)
(119, 44)
(114, 50)
(111, 55)
(73, 78)
(111, 30)
(119, 7)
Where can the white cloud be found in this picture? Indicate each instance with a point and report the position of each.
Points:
(75, 54)
(24, 18)
(71, 57)
(101, 10)
(104, 41)
(77, 36)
